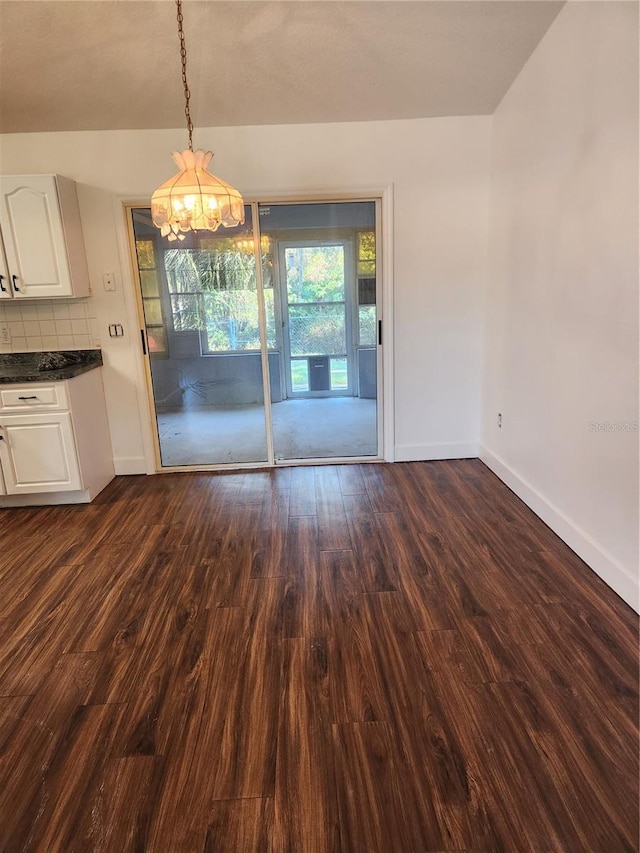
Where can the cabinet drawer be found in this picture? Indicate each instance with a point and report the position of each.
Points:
(33, 397)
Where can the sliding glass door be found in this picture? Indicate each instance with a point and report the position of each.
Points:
(202, 329)
(325, 277)
(285, 304)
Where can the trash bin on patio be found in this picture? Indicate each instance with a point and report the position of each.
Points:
(319, 375)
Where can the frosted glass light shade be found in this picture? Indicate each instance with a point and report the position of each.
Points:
(194, 199)
(247, 244)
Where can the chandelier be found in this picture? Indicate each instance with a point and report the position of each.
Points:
(247, 244)
(194, 199)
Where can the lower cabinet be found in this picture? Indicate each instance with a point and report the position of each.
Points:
(54, 441)
(38, 453)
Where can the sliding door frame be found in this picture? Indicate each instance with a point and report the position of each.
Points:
(383, 198)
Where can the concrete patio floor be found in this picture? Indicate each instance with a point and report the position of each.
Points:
(315, 428)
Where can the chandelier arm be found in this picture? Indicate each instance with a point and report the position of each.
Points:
(183, 60)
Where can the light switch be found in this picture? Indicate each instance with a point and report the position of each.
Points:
(109, 281)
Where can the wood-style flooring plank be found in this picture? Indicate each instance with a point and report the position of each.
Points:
(120, 815)
(229, 570)
(12, 711)
(246, 765)
(258, 487)
(189, 765)
(380, 487)
(305, 805)
(377, 809)
(372, 553)
(359, 692)
(425, 569)
(33, 738)
(55, 817)
(49, 629)
(269, 538)
(333, 531)
(426, 757)
(351, 480)
(432, 496)
(302, 496)
(562, 761)
(149, 631)
(358, 505)
(240, 825)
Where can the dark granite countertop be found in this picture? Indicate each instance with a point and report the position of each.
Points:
(16, 367)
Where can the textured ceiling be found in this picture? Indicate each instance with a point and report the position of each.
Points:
(114, 64)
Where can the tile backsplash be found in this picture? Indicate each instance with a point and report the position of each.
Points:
(49, 324)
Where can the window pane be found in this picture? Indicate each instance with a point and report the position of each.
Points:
(366, 268)
(271, 318)
(146, 254)
(149, 283)
(213, 289)
(338, 374)
(208, 270)
(366, 291)
(317, 330)
(157, 340)
(299, 374)
(231, 320)
(367, 245)
(315, 273)
(367, 253)
(367, 325)
(185, 309)
(152, 312)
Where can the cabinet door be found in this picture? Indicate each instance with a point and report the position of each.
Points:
(5, 281)
(33, 237)
(38, 453)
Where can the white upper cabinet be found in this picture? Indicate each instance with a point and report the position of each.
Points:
(5, 281)
(44, 253)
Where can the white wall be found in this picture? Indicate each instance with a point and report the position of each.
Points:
(562, 305)
(439, 171)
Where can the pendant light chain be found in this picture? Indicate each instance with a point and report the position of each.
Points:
(183, 59)
(194, 199)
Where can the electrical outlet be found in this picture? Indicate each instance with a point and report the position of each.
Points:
(499, 420)
(5, 335)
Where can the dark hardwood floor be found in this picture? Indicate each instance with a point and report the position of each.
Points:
(360, 658)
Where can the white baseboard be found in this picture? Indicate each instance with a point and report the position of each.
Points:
(46, 499)
(596, 557)
(428, 452)
(130, 465)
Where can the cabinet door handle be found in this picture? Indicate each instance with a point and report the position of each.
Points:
(2, 287)
(14, 279)
(28, 398)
